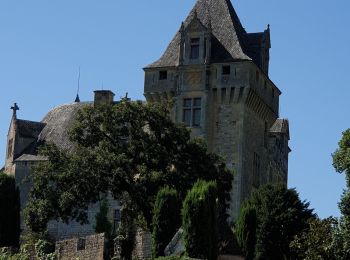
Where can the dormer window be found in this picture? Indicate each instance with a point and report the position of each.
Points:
(194, 49)
(163, 75)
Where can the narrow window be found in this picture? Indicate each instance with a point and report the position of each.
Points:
(226, 70)
(256, 170)
(192, 112)
(163, 75)
(197, 104)
(257, 76)
(265, 135)
(9, 148)
(273, 94)
(187, 111)
(194, 49)
(81, 244)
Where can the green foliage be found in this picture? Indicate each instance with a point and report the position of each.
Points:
(319, 241)
(131, 148)
(166, 219)
(127, 229)
(341, 157)
(9, 211)
(341, 162)
(246, 230)
(199, 221)
(280, 217)
(103, 225)
(44, 250)
(8, 256)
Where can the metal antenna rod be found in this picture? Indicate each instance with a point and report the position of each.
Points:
(77, 99)
(78, 82)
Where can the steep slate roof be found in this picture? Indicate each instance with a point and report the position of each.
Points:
(29, 128)
(227, 30)
(281, 126)
(30, 158)
(58, 122)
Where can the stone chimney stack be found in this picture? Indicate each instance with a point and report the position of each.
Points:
(103, 97)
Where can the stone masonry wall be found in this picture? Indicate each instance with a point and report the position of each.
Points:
(143, 245)
(87, 248)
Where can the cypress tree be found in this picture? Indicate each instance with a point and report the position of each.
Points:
(199, 221)
(166, 219)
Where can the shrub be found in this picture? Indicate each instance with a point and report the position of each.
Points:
(9, 208)
(246, 230)
(166, 220)
(199, 221)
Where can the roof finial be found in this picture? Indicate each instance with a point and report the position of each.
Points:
(14, 108)
(77, 99)
(182, 28)
(268, 27)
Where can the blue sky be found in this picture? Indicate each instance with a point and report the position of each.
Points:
(44, 42)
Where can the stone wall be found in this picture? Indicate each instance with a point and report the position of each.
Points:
(143, 245)
(87, 248)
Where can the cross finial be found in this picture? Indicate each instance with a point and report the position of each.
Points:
(15, 108)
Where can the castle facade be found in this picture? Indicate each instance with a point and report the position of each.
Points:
(217, 75)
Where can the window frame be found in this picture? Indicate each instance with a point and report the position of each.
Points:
(163, 75)
(193, 109)
(226, 70)
(194, 48)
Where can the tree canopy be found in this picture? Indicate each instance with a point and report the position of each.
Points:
(280, 215)
(127, 148)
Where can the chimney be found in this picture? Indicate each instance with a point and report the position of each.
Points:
(103, 97)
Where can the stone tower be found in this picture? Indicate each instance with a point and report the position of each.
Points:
(217, 76)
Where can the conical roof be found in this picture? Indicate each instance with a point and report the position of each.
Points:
(228, 32)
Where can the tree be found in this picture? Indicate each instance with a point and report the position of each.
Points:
(341, 162)
(9, 211)
(320, 241)
(166, 219)
(246, 230)
(199, 221)
(128, 148)
(103, 225)
(280, 216)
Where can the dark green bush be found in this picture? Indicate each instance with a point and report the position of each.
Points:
(246, 230)
(9, 211)
(199, 221)
(166, 220)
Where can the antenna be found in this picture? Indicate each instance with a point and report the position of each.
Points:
(77, 99)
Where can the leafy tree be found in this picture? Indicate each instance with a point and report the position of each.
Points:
(199, 221)
(128, 148)
(246, 230)
(341, 162)
(166, 219)
(280, 216)
(9, 211)
(103, 225)
(320, 241)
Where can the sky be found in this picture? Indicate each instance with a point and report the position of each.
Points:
(43, 44)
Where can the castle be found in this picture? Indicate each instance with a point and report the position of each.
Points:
(216, 74)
